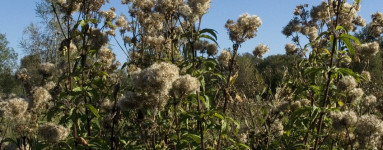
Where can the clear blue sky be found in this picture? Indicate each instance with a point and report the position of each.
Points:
(17, 14)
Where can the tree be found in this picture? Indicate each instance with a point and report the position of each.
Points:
(8, 59)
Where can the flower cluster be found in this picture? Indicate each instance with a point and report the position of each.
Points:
(224, 58)
(376, 26)
(245, 28)
(347, 83)
(53, 133)
(185, 85)
(260, 50)
(151, 86)
(291, 49)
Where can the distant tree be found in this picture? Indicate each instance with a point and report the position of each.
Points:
(8, 63)
(272, 68)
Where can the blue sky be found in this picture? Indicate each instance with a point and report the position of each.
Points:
(17, 14)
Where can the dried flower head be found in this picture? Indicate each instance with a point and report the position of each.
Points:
(185, 85)
(110, 14)
(40, 97)
(368, 128)
(277, 128)
(22, 74)
(291, 27)
(211, 49)
(343, 120)
(106, 56)
(356, 94)
(17, 106)
(121, 22)
(320, 12)
(152, 85)
(199, 7)
(291, 49)
(53, 133)
(366, 75)
(50, 85)
(260, 50)
(369, 101)
(368, 49)
(46, 69)
(224, 58)
(245, 28)
(347, 83)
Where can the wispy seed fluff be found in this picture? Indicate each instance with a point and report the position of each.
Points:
(199, 7)
(50, 85)
(151, 86)
(121, 21)
(185, 85)
(245, 28)
(277, 128)
(224, 58)
(40, 96)
(110, 14)
(22, 74)
(13, 107)
(368, 49)
(106, 56)
(260, 50)
(159, 77)
(343, 120)
(369, 127)
(46, 69)
(376, 26)
(369, 101)
(366, 75)
(291, 49)
(211, 49)
(347, 83)
(320, 12)
(53, 133)
(356, 94)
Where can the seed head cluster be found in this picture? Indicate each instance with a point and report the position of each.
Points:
(245, 28)
(53, 133)
(40, 97)
(185, 85)
(260, 50)
(291, 49)
(347, 83)
(224, 58)
(151, 85)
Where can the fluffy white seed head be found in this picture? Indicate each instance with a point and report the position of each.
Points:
(53, 133)
(185, 85)
(291, 49)
(224, 58)
(260, 50)
(347, 83)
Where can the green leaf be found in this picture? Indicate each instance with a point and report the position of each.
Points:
(208, 37)
(93, 110)
(83, 23)
(243, 146)
(341, 28)
(218, 116)
(211, 31)
(193, 137)
(346, 38)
